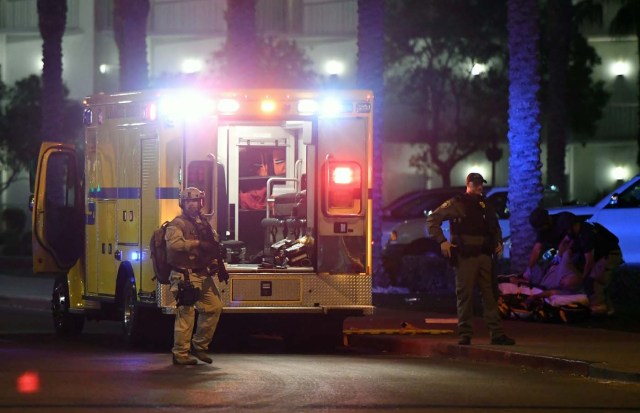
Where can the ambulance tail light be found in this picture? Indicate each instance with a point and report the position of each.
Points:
(343, 192)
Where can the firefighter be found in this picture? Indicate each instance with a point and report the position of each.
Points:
(475, 238)
(191, 252)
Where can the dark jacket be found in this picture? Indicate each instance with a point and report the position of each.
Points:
(473, 223)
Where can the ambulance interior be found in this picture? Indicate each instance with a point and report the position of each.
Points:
(263, 212)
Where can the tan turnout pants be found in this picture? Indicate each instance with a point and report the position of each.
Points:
(209, 308)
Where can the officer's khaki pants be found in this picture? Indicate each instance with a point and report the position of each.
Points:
(470, 270)
(209, 308)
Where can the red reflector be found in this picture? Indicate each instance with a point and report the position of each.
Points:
(28, 382)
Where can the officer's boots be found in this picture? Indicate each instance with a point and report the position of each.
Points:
(201, 355)
(184, 361)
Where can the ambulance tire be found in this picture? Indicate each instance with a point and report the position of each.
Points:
(65, 323)
(130, 312)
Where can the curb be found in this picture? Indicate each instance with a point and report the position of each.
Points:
(431, 348)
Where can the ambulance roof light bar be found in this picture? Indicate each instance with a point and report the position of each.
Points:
(330, 106)
(228, 106)
(185, 104)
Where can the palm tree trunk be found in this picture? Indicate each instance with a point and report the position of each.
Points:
(525, 187)
(371, 76)
(241, 41)
(558, 38)
(52, 19)
(130, 32)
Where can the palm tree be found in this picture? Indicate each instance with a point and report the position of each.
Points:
(626, 21)
(558, 38)
(370, 76)
(130, 32)
(241, 41)
(525, 190)
(52, 19)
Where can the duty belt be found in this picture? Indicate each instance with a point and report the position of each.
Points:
(185, 272)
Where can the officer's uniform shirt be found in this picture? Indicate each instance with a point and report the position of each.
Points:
(182, 243)
(475, 234)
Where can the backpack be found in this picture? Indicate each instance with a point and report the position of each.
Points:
(158, 249)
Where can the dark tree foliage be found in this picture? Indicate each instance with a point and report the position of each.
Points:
(130, 32)
(432, 53)
(462, 114)
(52, 19)
(371, 76)
(278, 63)
(21, 123)
(525, 186)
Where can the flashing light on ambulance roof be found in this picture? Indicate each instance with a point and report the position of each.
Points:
(228, 106)
(185, 105)
(333, 106)
(268, 106)
(307, 106)
(328, 107)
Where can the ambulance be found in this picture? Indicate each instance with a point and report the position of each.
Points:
(287, 178)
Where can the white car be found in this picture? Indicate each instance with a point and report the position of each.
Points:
(619, 212)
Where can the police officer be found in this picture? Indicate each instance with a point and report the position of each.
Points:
(475, 238)
(191, 252)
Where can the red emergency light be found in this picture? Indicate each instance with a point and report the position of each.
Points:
(344, 188)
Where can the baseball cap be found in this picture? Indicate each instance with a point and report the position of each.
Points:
(476, 178)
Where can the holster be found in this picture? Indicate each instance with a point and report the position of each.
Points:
(188, 294)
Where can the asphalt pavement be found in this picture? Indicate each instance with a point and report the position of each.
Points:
(423, 325)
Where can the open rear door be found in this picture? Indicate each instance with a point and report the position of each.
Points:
(58, 211)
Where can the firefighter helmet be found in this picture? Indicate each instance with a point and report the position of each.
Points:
(191, 193)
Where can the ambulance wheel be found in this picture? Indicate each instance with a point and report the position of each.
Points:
(130, 313)
(65, 323)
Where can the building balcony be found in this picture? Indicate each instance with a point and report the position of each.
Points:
(21, 16)
(619, 122)
(287, 18)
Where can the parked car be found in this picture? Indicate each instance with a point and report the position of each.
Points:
(414, 205)
(410, 236)
(619, 212)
